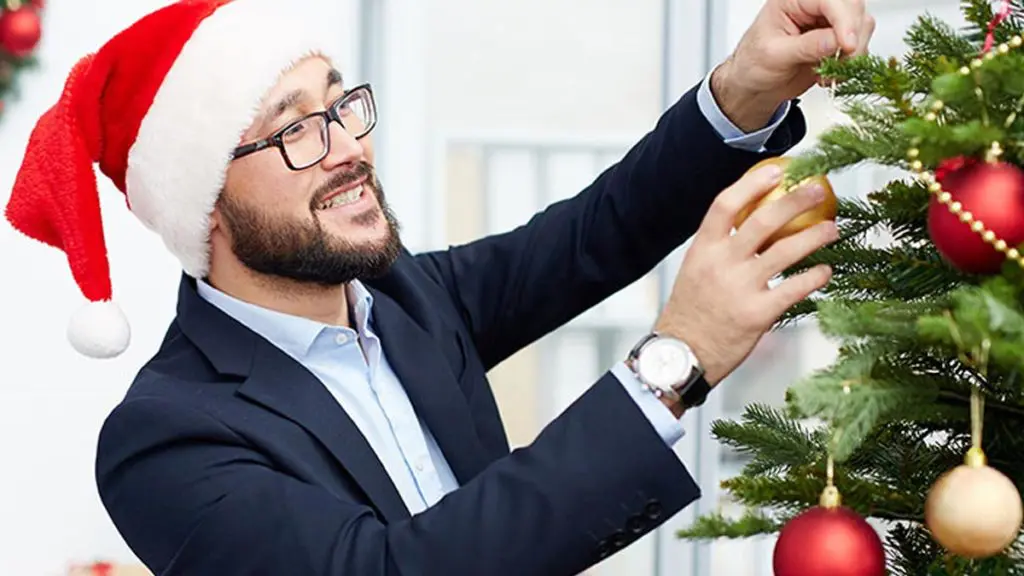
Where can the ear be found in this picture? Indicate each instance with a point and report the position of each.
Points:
(215, 216)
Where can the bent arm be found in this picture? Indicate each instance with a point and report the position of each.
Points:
(192, 498)
(515, 287)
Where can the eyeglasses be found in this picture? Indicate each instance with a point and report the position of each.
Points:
(307, 141)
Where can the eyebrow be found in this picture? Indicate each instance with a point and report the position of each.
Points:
(291, 99)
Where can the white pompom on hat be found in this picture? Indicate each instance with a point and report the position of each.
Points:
(159, 107)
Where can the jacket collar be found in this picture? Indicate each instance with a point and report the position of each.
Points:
(277, 382)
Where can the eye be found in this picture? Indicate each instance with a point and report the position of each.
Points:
(294, 132)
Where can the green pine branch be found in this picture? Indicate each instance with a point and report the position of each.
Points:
(774, 442)
(716, 525)
(871, 134)
(935, 49)
(793, 493)
(985, 323)
(857, 393)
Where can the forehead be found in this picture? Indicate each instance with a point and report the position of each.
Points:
(308, 74)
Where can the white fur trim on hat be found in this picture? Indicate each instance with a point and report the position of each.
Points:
(210, 96)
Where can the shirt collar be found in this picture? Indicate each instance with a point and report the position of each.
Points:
(361, 302)
(293, 334)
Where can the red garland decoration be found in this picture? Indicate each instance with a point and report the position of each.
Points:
(1003, 14)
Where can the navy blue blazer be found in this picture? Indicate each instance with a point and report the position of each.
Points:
(227, 457)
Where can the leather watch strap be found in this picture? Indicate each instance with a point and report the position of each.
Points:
(696, 394)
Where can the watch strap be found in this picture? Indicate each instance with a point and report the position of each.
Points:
(696, 393)
(635, 352)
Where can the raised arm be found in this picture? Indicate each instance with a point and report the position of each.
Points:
(517, 286)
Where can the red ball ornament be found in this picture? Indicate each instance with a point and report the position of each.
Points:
(826, 541)
(993, 193)
(20, 31)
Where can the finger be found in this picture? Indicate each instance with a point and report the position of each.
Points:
(769, 218)
(812, 46)
(721, 217)
(793, 249)
(867, 30)
(843, 15)
(797, 288)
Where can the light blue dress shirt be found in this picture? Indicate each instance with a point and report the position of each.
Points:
(351, 364)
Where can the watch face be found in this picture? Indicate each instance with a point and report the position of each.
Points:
(664, 362)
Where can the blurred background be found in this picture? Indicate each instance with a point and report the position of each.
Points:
(489, 110)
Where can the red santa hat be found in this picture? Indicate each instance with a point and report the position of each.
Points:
(159, 107)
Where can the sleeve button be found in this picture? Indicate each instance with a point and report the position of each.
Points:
(653, 510)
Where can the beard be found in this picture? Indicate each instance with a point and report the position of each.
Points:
(303, 251)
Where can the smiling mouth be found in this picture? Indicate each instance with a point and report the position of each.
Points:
(343, 196)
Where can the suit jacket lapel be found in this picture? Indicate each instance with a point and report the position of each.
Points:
(431, 386)
(280, 384)
(284, 386)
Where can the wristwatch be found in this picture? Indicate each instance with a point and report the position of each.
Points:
(668, 367)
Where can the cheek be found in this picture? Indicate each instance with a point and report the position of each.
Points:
(272, 190)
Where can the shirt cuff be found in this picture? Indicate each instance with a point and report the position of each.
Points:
(730, 134)
(667, 426)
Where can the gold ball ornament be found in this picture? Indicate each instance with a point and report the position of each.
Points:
(823, 212)
(974, 510)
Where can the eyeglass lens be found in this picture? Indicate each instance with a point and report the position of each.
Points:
(305, 143)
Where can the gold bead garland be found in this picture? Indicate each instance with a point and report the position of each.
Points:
(993, 154)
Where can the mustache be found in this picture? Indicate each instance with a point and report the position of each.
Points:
(362, 170)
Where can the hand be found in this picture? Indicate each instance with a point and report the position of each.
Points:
(776, 58)
(721, 303)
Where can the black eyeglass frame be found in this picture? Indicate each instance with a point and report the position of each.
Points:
(276, 140)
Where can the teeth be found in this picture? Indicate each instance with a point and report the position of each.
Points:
(342, 199)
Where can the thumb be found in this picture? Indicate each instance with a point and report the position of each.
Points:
(813, 45)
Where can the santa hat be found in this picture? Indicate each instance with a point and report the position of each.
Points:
(159, 107)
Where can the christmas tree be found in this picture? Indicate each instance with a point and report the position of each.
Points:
(921, 415)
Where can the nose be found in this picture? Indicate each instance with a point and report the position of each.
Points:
(344, 149)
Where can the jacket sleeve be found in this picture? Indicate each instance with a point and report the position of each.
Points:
(192, 497)
(515, 287)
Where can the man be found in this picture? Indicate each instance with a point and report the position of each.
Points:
(320, 405)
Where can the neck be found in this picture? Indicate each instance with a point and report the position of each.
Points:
(326, 304)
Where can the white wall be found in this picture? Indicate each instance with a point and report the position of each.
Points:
(52, 401)
(539, 66)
